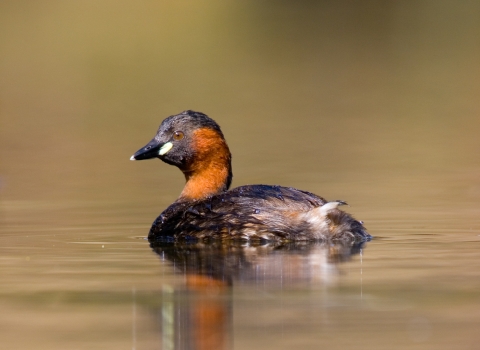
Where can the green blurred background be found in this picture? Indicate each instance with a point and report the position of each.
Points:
(308, 93)
(372, 102)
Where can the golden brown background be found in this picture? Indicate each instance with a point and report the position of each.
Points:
(373, 102)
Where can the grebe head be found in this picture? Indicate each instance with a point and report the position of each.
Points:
(194, 143)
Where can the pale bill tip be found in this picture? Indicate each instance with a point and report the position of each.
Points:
(132, 158)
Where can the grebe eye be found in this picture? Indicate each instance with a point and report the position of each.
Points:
(178, 135)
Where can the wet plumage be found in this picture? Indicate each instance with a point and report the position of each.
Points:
(207, 210)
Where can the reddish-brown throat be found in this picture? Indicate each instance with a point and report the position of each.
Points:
(209, 171)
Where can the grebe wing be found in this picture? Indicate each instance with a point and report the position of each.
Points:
(272, 197)
(252, 206)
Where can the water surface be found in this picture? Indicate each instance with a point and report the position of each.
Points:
(373, 103)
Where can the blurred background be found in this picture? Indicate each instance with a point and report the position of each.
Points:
(372, 102)
(371, 91)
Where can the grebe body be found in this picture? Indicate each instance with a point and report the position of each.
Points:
(206, 209)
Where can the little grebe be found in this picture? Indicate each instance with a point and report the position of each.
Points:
(206, 209)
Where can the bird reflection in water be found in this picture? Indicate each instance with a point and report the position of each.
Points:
(199, 314)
